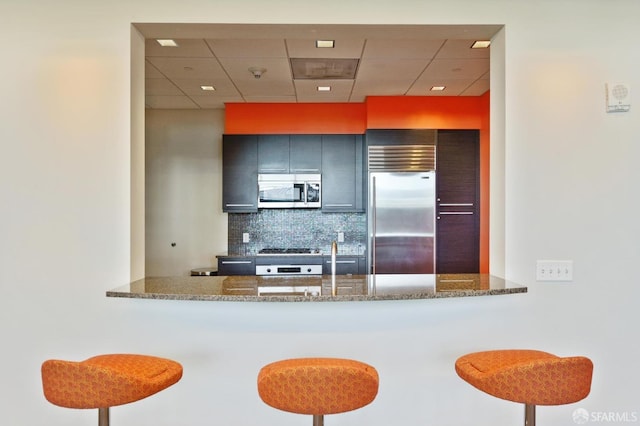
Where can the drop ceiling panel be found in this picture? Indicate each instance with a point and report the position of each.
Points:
(214, 102)
(151, 72)
(187, 68)
(452, 87)
(223, 87)
(457, 68)
(187, 48)
(379, 70)
(161, 86)
(278, 69)
(393, 48)
(306, 48)
(248, 48)
(453, 49)
(479, 87)
(170, 102)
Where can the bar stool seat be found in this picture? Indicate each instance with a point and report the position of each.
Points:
(318, 386)
(105, 381)
(528, 376)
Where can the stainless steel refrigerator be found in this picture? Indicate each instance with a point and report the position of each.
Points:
(401, 214)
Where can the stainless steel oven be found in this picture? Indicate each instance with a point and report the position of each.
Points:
(280, 191)
(293, 261)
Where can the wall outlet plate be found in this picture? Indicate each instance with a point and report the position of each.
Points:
(554, 270)
(341, 237)
(245, 237)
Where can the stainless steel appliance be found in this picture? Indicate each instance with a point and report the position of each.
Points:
(401, 213)
(291, 261)
(289, 191)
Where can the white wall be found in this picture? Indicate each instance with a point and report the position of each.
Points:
(65, 223)
(183, 191)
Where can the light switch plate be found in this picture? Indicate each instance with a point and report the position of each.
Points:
(554, 270)
(341, 237)
(245, 237)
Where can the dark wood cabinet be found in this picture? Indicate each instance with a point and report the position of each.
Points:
(289, 154)
(345, 265)
(240, 173)
(240, 265)
(342, 173)
(305, 154)
(273, 154)
(401, 137)
(458, 201)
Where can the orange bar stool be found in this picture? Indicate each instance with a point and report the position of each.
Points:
(106, 380)
(529, 377)
(318, 386)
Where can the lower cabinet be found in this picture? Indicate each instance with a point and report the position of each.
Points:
(345, 265)
(236, 266)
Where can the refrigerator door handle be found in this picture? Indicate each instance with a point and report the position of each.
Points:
(373, 225)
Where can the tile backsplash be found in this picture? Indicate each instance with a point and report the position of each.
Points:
(289, 228)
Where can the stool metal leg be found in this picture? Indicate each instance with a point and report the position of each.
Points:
(318, 420)
(529, 415)
(103, 416)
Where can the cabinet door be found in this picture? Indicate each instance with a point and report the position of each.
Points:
(342, 173)
(457, 202)
(305, 154)
(236, 266)
(240, 173)
(273, 154)
(345, 265)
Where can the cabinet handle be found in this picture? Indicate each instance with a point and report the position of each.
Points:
(343, 261)
(273, 170)
(454, 213)
(305, 170)
(239, 205)
(456, 205)
(338, 205)
(235, 262)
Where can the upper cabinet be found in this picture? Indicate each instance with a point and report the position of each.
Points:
(289, 154)
(305, 154)
(240, 173)
(339, 158)
(342, 173)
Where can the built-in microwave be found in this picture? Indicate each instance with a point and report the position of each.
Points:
(286, 191)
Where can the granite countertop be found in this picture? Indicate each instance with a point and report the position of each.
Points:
(316, 288)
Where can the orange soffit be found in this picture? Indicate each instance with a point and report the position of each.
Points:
(331, 118)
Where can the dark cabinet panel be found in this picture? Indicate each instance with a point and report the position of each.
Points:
(345, 265)
(236, 266)
(342, 173)
(401, 137)
(457, 202)
(305, 154)
(273, 154)
(240, 173)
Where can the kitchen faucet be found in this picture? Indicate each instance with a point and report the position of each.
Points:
(334, 252)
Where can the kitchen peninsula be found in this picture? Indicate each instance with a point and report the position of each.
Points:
(317, 288)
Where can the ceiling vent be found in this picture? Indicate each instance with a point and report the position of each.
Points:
(324, 69)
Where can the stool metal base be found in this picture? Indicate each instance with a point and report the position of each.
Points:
(529, 415)
(318, 420)
(103, 416)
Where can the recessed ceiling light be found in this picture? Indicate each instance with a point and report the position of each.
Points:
(438, 88)
(167, 42)
(208, 88)
(325, 43)
(481, 44)
(324, 88)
